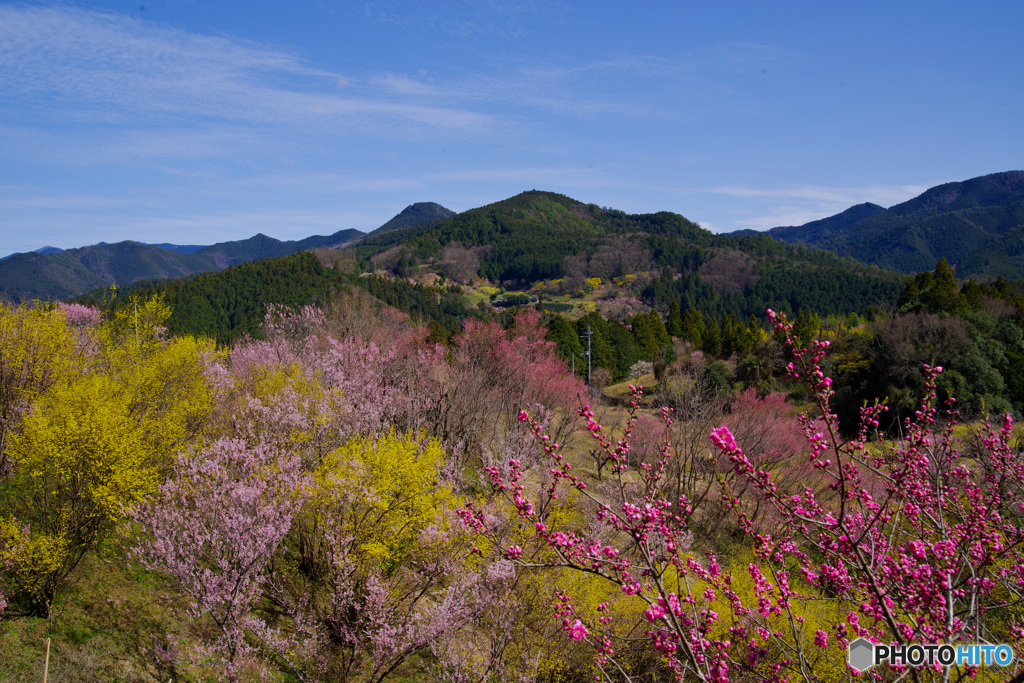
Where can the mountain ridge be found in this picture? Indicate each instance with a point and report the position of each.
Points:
(415, 214)
(977, 224)
(557, 249)
(50, 273)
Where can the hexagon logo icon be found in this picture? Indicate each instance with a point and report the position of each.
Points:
(862, 655)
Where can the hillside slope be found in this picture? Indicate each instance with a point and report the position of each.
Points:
(542, 236)
(50, 273)
(68, 273)
(74, 271)
(977, 225)
(553, 245)
(415, 214)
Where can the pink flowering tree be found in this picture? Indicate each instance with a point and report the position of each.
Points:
(915, 542)
(374, 570)
(357, 621)
(640, 545)
(493, 374)
(352, 385)
(336, 387)
(923, 540)
(78, 315)
(213, 529)
(770, 434)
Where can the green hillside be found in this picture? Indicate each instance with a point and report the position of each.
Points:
(231, 303)
(538, 236)
(977, 225)
(73, 271)
(555, 246)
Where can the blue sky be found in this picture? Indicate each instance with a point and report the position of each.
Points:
(195, 121)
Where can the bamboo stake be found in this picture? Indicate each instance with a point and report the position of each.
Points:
(46, 663)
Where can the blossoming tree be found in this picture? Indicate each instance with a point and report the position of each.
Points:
(921, 540)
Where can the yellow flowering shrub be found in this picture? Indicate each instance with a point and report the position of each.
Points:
(384, 492)
(97, 440)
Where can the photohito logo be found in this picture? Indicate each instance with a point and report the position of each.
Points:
(865, 654)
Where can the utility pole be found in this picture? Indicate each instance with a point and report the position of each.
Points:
(589, 334)
(573, 355)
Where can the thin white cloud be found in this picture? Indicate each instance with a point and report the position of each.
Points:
(332, 183)
(75, 202)
(680, 87)
(109, 68)
(884, 195)
(105, 146)
(578, 89)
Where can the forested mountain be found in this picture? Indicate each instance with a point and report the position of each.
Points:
(810, 233)
(73, 271)
(40, 250)
(231, 303)
(50, 273)
(415, 214)
(260, 246)
(542, 236)
(547, 242)
(977, 225)
(182, 248)
(68, 273)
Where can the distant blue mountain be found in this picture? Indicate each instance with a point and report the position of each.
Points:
(40, 250)
(51, 273)
(415, 214)
(977, 225)
(180, 248)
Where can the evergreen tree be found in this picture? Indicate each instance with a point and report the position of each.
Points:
(942, 298)
(693, 327)
(660, 331)
(650, 334)
(806, 327)
(712, 340)
(910, 294)
(675, 319)
(563, 333)
(624, 347)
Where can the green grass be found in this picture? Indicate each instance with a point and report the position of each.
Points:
(100, 630)
(620, 393)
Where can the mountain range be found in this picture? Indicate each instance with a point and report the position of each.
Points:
(556, 251)
(665, 259)
(977, 225)
(51, 273)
